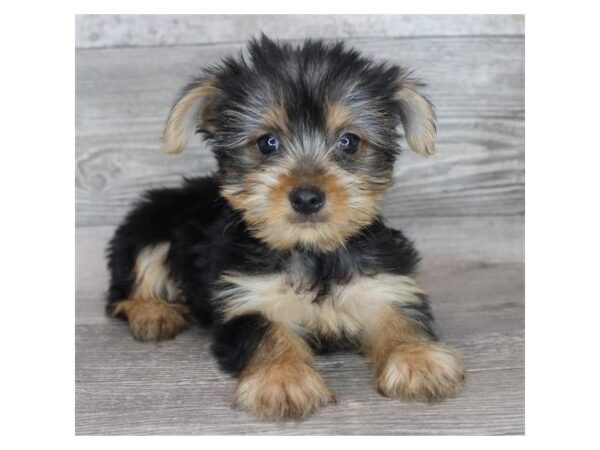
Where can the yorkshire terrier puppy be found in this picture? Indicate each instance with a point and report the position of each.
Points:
(283, 250)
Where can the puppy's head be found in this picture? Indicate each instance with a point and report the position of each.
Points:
(305, 137)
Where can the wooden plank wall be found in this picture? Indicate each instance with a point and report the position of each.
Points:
(171, 30)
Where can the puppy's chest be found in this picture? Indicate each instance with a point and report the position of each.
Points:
(322, 298)
(314, 280)
(291, 299)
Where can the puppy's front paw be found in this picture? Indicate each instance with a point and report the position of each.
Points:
(421, 371)
(282, 390)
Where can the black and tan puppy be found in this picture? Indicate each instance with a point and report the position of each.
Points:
(283, 250)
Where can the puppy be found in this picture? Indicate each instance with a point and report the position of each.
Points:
(283, 250)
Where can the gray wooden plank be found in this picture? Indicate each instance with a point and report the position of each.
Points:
(92, 31)
(477, 84)
(127, 387)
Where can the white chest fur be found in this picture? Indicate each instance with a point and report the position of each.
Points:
(348, 308)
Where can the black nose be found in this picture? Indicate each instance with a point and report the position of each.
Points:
(307, 200)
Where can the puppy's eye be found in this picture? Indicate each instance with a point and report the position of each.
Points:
(348, 142)
(267, 144)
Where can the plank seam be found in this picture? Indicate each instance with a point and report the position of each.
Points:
(295, 40)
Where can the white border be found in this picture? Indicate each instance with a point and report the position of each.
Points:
(562, 223)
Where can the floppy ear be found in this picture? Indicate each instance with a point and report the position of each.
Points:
(418, 117)
(191, 113)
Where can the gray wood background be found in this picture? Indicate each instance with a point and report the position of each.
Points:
(464, 208)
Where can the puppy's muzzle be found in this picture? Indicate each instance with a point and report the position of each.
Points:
(307, 199)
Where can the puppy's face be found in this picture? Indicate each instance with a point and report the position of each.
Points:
(305, 137)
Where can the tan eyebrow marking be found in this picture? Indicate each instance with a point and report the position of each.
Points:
(275, 118)
(337, 117)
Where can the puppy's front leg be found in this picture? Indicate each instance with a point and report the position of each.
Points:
(407, 359)
(276, 375)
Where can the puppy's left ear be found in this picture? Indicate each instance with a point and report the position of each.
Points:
(191, 113)
(417, 115)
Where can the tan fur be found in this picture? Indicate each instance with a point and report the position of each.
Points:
(408, 365)
(189, 112)
(351, 309)
(418, 119)
(150, 314)
(280, 380)
(151, 276)
(337, 117)
(351, 203)
(275, 119)
(152, 319)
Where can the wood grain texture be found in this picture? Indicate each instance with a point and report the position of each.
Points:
(477, 84)
(473, 270)
(92, 31)
(128, 387)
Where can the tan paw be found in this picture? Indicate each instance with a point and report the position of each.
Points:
(151, 319)
(421, 371)
(282, 390)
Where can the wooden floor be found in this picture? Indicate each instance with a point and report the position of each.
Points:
(464, 208)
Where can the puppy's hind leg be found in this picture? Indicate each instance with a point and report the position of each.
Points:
(152, 319)
(151, 308)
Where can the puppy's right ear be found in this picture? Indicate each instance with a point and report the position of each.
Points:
(193, 112)
(417, 115)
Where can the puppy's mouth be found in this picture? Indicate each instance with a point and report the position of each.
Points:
(307, 220)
